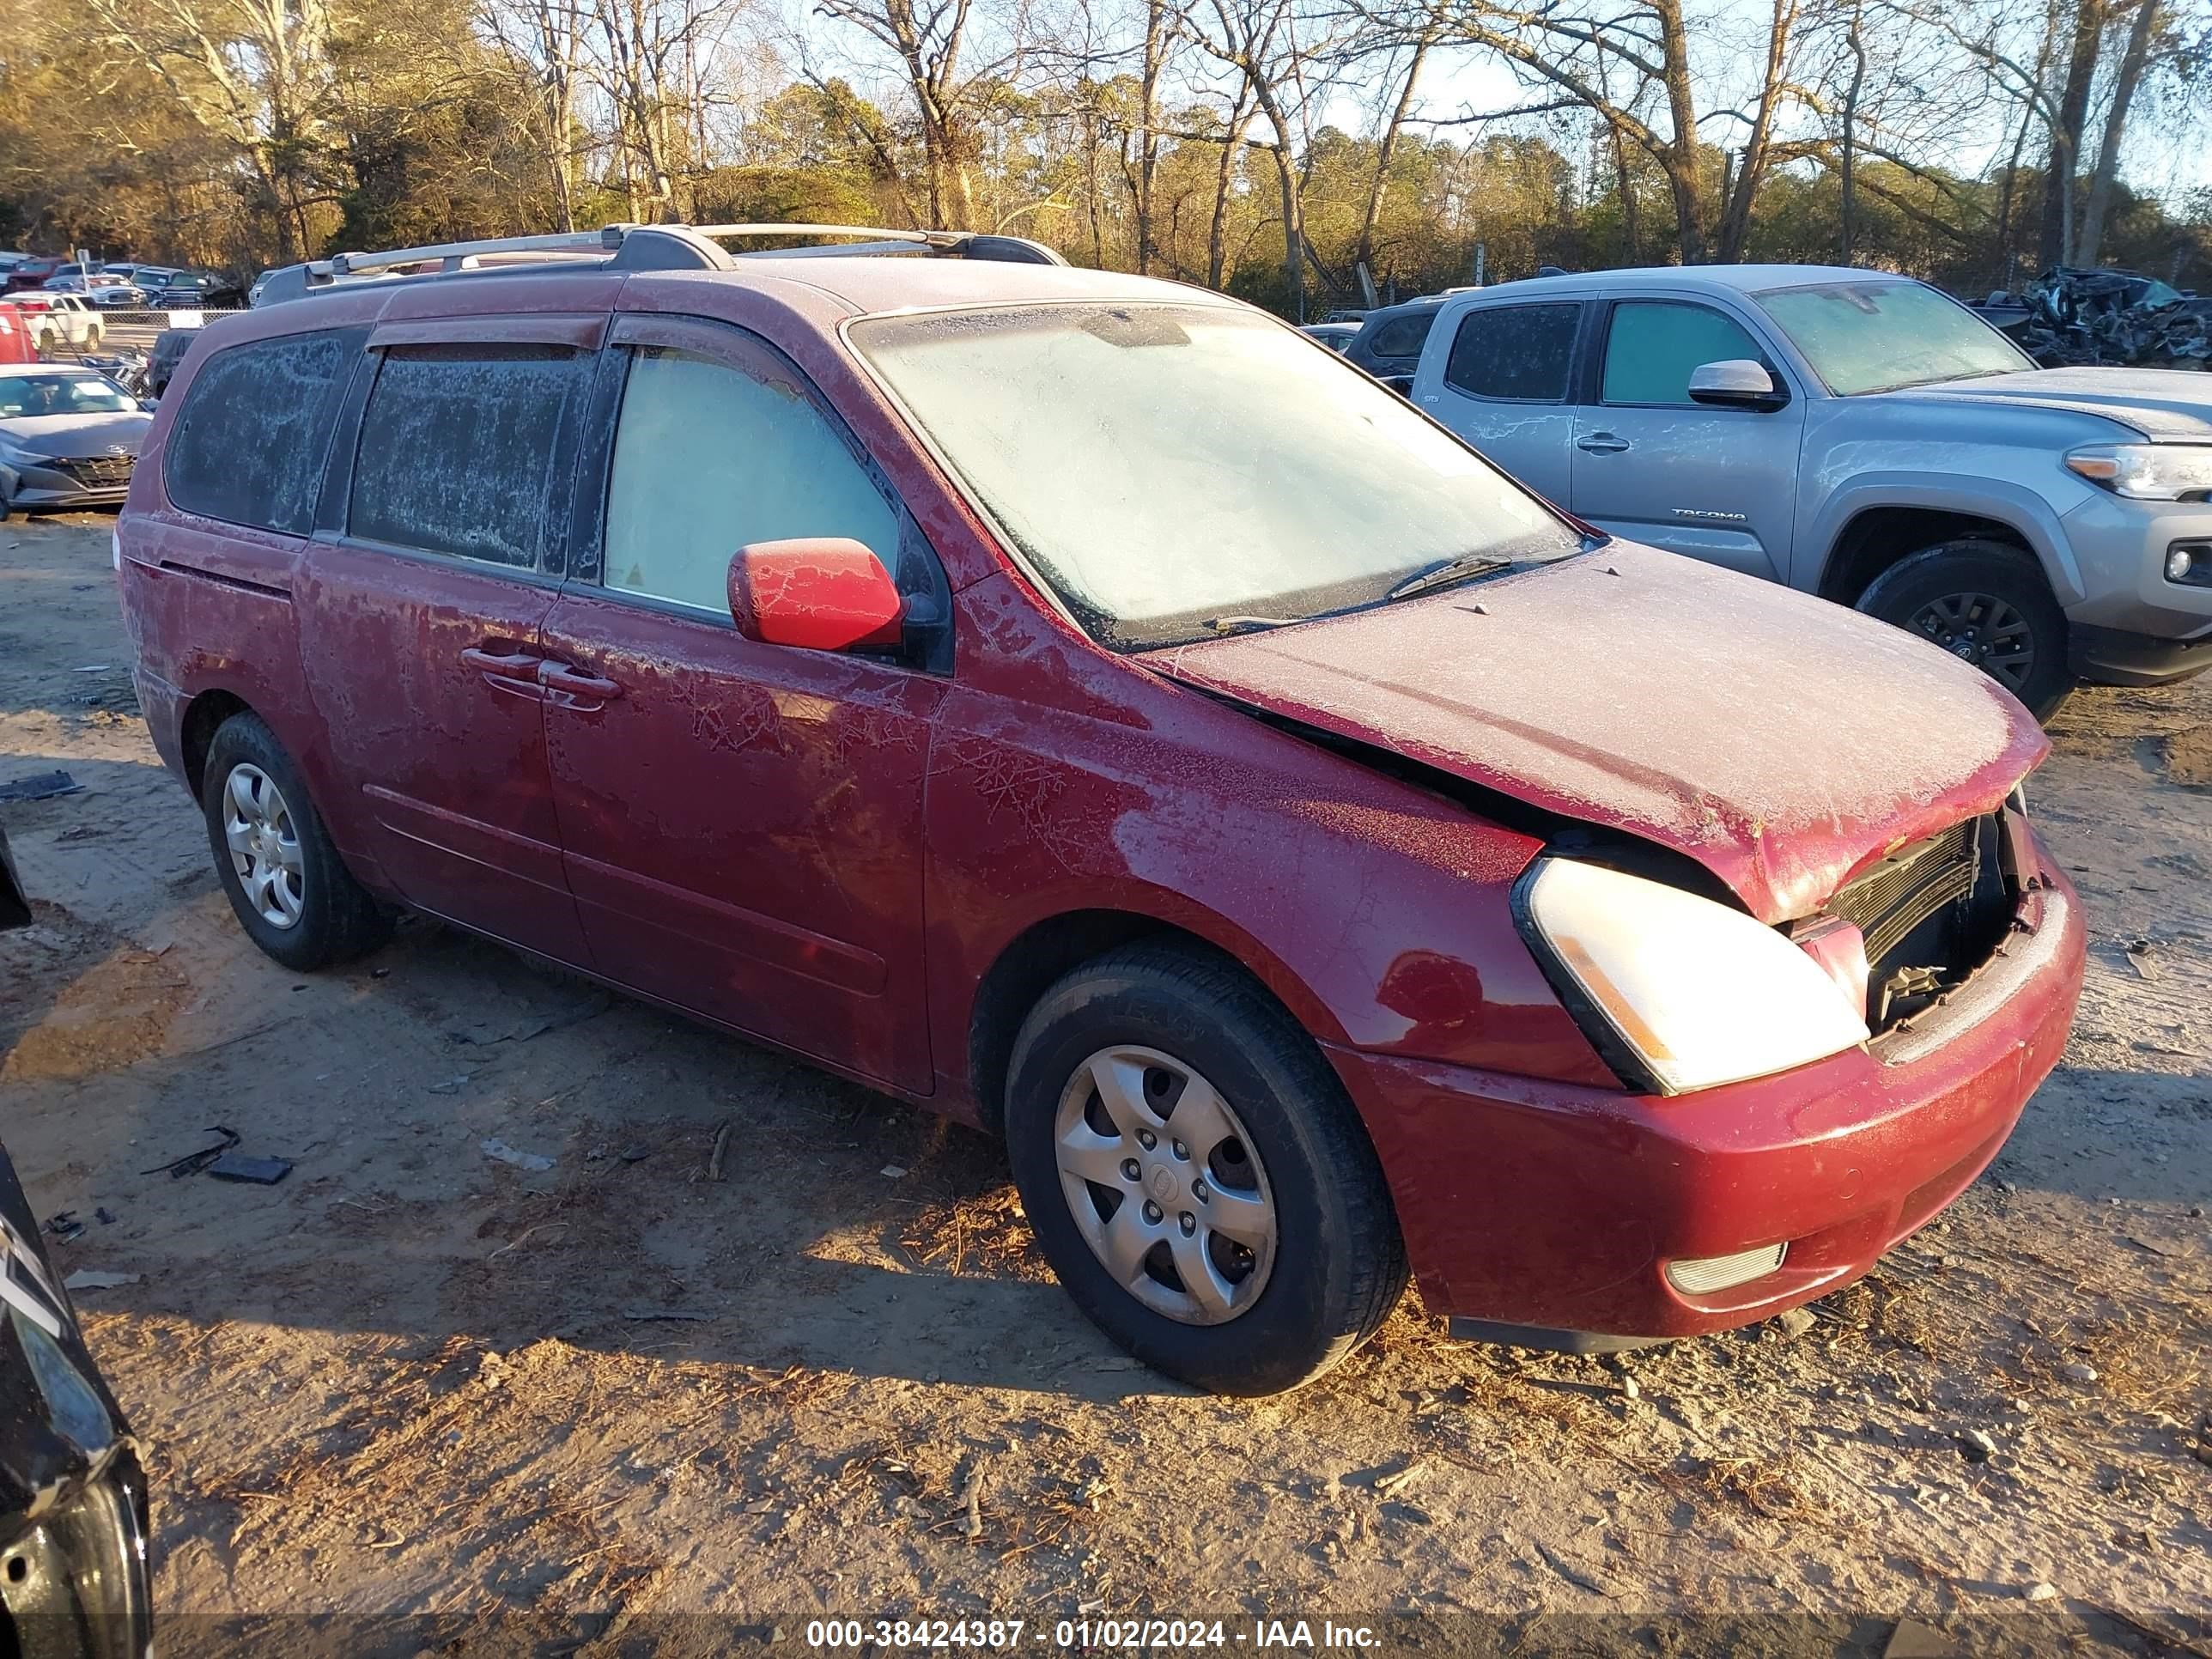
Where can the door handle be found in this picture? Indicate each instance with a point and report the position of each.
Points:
(1601, 443)
(509, 664)
(560, 677)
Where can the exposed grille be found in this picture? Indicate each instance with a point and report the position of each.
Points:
(99, 472)
(1909, 886)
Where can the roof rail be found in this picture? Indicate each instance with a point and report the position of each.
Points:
(642, 247)
(451, 255)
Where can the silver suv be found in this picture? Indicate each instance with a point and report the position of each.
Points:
(1861, 436)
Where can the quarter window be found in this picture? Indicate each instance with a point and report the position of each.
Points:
(249, 446)
(1523, 353)
(709, 459)
(457, 448)
(1652, 346)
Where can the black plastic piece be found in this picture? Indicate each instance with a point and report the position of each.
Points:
(2112, 656)
(668, 247)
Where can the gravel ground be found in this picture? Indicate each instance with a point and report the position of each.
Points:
(415, 1399)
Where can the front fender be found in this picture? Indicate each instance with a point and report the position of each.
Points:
(2015, 504)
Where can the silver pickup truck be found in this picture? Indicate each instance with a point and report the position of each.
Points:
(1860, 436)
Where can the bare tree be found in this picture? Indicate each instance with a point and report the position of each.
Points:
(2089, 234)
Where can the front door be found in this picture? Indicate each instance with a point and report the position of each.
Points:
(422, 611)
(1718, 484)
(742, 821)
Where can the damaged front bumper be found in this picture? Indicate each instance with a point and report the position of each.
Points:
(74, 1575)
(74, 1581)
(1557, 1216)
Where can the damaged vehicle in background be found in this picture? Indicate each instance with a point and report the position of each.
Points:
(74, 1579)
(1073, 703)
(69, 438)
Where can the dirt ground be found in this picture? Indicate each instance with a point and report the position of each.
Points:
(418, 1399)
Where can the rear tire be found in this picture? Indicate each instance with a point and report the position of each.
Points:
(1256, 1244)
(1988, 604)
(291, 891)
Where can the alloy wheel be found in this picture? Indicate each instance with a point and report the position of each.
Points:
(1983, 630)
(265, 845)
(1164, 1185)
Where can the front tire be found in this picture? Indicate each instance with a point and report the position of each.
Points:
(291, 891)
(1196, 1176)
(1988, 604)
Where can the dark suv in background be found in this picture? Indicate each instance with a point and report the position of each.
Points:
(1389, 340)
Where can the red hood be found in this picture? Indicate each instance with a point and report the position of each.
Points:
(1780, 741)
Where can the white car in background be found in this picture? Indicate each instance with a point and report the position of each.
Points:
(57, 319)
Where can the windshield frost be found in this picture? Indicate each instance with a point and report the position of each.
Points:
(1879, 336)
(1165, 468)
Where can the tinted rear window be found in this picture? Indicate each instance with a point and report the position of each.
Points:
(1402, 337)
(457, 447)
(249, 445)
(1520, 352)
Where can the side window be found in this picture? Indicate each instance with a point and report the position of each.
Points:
(708, 459)
(1652, 345)
(249, 446)
(1518, 352)
(457, 448)
(1402, 337)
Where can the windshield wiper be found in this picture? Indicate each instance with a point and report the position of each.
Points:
(1237, 625)
(1461, 569)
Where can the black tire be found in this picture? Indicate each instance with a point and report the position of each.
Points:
(336, 920)
(1338, 1265)
(1988, 604)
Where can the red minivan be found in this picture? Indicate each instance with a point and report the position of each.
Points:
(1085, 707)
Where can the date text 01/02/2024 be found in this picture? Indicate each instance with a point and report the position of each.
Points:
(1085, 1634)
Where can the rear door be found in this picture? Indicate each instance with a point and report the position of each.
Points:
(1502, 378)
(1718, 484)
(421, 602)
(741, 821)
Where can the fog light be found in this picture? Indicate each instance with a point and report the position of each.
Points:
(1695, 1275)
(2191, 563)
(2178, 563)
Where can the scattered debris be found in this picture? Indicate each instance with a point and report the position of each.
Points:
(677, 1316)
(194, 1162)
(2070, 316)
(40, 785)
(1404, 1478)
(1796, 1321)
(1586, 1578)
(721, 1147)
(2078, 1372)
(894, 1172)
(2040, 1591)
(65, 1226)
(452, 1085)
(102, 1217)
(972, 1527)
(1975, 1446)
(521, 1160)
(258, 1171)
(2139, 958)
(89, 1279)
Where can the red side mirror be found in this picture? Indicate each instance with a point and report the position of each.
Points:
(817, 592)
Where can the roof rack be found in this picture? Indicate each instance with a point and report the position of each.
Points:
(639, 247)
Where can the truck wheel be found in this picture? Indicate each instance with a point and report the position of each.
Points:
(1986, 604)
(293, 894)
(1196, 1176)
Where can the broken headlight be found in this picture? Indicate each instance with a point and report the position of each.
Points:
(1689, 992)
(2147, 472)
